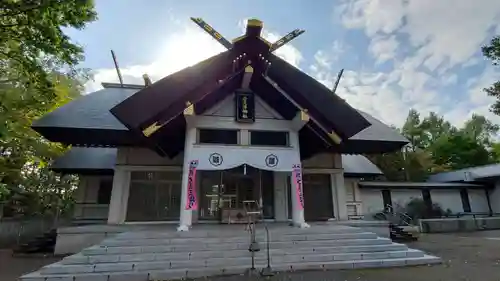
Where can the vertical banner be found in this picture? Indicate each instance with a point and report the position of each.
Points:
(191, 201)
(297, 180)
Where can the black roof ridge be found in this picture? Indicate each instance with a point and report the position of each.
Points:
(118, 85)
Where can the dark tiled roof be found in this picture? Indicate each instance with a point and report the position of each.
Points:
(86, 160)
(73, 122)
(89, 111)
(329, 109)
(479, 173)
(378, 131)
(170, 94)
(359, 165)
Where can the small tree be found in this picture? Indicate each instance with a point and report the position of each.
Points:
(492, 52)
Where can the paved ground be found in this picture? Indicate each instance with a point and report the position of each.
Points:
(11, 268)
(466, 256)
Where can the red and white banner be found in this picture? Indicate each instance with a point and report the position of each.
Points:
(297, 180)
(191, 200)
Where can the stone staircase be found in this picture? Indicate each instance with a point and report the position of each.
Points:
(222, 250)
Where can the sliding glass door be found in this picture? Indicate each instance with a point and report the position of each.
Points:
(154, 196)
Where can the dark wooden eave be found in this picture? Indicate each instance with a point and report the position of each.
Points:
(165, 98)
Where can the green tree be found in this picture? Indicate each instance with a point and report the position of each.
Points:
(480, 129)
(25, 155)
(433, 127)
(33, 42)
(492, 52)
(412, 129)
(459, 151)
(38, 72)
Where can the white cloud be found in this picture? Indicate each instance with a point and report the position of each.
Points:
(384, 48)
(438, 38)
(181, 49)
(373, 15)
(288, 52)
(445, 32)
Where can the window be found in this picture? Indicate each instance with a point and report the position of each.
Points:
(218, 136)
(104, 193)
(269, 138)
(464, 194)
(154, 196)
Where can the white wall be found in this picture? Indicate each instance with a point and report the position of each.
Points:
(402, 196)
(372, 201)
(478, 201)
(144, 156)
(448, 199)
(226, 109)
(323, 161)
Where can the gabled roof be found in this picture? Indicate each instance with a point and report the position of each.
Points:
(215, 78)
(479, 173)
(99, 160)
(88, 121)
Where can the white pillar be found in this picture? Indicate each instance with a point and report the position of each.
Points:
(297, 212)
(186, 216)
(119, 196)
(280, 207)
(335, 201)
(338, 182)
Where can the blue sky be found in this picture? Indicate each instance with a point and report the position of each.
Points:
(397, 54)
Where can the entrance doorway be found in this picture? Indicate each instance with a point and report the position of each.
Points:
(223, 193)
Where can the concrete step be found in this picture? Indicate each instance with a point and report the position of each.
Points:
(112, 242)
(103, 250)
(60, 268)
(82, 259)
(211, 271)
(202, 272)
(237, 231)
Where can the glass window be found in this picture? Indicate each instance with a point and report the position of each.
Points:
(104, 192)
(154, 196)
(269, 138)
(218, 136)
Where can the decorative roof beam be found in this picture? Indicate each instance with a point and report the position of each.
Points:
(147, 80)
(189, 113)
(333, 135)
(210, 30)
(247, 77)
(300, 120)
(285, 39)
(254, 28)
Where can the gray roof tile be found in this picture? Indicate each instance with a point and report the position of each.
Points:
(359, 164)
(378, 131)
(468, 174)
(89, 111)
